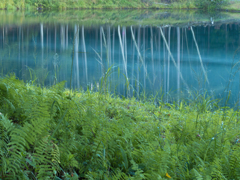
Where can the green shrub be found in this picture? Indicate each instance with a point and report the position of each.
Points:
(210, 4)
(54, 133)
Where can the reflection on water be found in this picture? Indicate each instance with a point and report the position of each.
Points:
(142, 58)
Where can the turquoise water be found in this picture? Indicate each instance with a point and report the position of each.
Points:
(162, 58)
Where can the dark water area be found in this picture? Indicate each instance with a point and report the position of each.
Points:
(173, 60)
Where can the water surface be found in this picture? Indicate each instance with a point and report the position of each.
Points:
(174, 59)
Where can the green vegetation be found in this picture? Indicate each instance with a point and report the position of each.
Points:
(99, 4)
(111, 4)
(116, 17)
(48, 133)
(210, 5)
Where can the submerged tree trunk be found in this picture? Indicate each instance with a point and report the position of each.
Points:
(174, 62)
(3, 36)
(178, 61)
(100, 39)
(62, 33)
(133, 61)
(200, 58)
(144, 58)
(55, 39)
(153, 71)
(76, 43)
(164, 67)
(85, 54)
(168, 68)
(41, 27)
(66, 36)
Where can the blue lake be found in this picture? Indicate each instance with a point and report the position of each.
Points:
(174, 60)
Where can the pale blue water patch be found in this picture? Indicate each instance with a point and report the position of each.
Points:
(45, 52)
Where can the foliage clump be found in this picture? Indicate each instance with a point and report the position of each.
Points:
(48, 133)
(210, 5)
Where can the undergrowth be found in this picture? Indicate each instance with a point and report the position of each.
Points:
(110, 4)
(56, 133)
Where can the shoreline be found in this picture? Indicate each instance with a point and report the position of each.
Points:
(126, 17)
(154, 8)
(133, 5)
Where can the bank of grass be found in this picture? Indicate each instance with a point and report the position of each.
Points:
(116, 17)
(107, 4)
(55, 133)
(97, 4)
